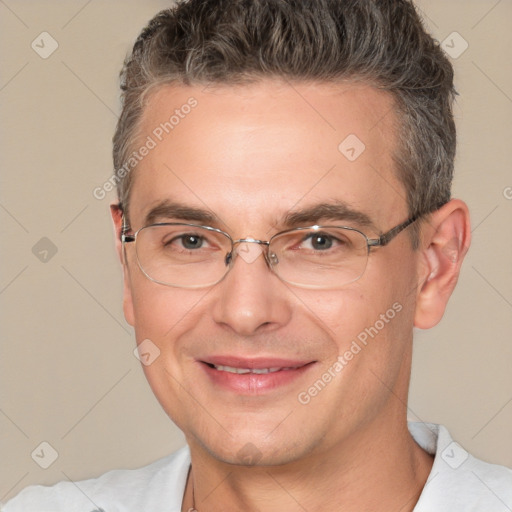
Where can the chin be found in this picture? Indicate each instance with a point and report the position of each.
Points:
(250, 449)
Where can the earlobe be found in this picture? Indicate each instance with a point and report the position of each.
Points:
(445, 242)
(128, 310)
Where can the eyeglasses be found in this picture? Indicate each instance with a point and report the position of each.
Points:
(317, 257)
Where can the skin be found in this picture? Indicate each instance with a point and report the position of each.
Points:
(250, 154)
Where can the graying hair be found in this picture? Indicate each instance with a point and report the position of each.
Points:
(380, 42)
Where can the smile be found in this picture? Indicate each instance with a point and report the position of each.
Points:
(253, 376)
(259, 371)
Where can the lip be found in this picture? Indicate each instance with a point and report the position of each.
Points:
(254, 383)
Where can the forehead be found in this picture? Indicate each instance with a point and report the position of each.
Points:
(250, 154)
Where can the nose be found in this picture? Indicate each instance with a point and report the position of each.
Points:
(251, 299)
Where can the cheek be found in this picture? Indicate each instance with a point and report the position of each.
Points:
(370, 322)
(162, 314)
(345, 313)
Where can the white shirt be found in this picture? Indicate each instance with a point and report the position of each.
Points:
(457, 482)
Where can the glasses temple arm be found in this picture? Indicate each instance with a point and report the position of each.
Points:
(387, 237)
(125, 237)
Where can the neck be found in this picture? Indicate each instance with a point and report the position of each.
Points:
(378, 468)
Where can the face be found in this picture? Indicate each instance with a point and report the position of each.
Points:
(249, 156)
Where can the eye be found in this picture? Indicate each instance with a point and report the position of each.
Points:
(322, 241)
(187, 241)
(191, 241)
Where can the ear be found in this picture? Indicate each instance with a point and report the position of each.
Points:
(446, 236)
(117, 219)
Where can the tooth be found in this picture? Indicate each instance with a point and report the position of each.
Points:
(230, 369)
(259, 371)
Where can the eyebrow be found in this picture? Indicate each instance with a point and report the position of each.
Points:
(337, 211)
(331, 211)
(172, 210)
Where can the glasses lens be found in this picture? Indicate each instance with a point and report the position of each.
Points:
(319, 257)
(182, 255)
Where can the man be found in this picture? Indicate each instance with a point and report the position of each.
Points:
(284, 221)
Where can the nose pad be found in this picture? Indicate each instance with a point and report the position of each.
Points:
(248, 251)
(272, 258)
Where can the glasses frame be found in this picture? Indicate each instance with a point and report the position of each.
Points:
(381, 241)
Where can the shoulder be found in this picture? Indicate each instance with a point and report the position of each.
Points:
(153, 487)
(459, 481)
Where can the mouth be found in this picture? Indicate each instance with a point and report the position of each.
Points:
(243, 371)
(253, 376)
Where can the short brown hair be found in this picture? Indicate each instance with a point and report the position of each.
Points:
(380, 42)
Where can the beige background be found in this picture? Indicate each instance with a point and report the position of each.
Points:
(68, 373)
